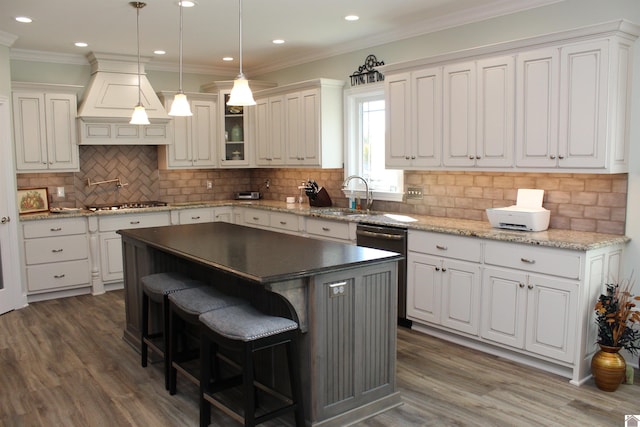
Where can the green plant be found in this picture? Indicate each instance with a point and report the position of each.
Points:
(615, 317)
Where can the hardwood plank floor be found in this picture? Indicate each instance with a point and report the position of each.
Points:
(64, 363)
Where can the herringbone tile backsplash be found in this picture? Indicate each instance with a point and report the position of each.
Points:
(585, 202)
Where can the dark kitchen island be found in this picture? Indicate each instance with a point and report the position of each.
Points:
(343, 296)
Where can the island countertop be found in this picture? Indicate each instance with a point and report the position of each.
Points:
(260, 256)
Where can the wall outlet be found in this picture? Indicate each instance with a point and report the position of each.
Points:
(60, 191)
(414, 193)
(209, 184)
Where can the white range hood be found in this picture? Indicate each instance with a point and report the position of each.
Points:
(109, 100)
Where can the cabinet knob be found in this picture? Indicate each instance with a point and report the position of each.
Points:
(471, 157)
(478, 157)
(521, 285)
(552, 157)
(530, 286)
(437, 268)
(407, 157)
(444, 269)
(413, 157)
(561, 157)
(5, 219)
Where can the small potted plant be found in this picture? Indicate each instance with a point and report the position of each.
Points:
(615, 317)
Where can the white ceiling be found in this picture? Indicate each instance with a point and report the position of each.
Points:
(312, 29)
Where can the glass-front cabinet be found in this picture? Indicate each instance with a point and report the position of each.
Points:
(235, 147)
(234, 150)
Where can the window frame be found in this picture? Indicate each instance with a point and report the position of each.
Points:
(353, 146)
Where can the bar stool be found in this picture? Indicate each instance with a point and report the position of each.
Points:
(156, 288)
(186, 306)
(246, 330)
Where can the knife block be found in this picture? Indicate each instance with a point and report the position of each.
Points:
(320, 199)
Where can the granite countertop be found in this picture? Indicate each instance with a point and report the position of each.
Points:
(565, 239)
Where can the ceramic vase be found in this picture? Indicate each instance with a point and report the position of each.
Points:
(608, 368)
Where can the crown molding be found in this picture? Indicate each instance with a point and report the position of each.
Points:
(7, 39)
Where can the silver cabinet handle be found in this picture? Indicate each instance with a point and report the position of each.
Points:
(441, 247)
(56, 229)
(326, 229)
(5, 219)
(283, 222)
(195, 217)
(552, 157)
(560, 157)
(55, 251)
(255, 218)
(58, 276)
(134, 222)
(528, 261)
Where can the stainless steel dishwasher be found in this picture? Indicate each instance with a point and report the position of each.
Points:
(392, 239)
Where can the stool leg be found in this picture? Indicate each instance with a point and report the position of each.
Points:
(165, 332)
(295, 380)
(205, 379)
(172, 350)
(144, 351)
(247, 385)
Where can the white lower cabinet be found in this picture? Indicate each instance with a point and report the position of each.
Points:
(56, 254)
(530, 312)
(441, 289)
(528, 303)
(111, 268)
(340, 231)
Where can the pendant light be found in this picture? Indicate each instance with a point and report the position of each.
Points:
(241, 93)
(180, 106)
(139, 116)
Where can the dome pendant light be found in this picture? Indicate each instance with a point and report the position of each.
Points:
(241, 93)
(180, 106)
(139, 116)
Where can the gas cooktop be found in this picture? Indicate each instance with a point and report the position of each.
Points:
(128, 205)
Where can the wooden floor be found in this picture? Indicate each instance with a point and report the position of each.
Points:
(64, 363)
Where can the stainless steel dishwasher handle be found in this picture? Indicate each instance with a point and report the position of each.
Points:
(386, 236)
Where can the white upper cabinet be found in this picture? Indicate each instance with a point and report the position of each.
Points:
(270, 131)
(459, 114)
(194, 141)
(300, 124)
(553, 103)
(44, 124)
(414, 119)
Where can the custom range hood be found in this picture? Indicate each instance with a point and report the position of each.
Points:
(108, 102)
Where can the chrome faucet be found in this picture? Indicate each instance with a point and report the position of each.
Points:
(366, 188)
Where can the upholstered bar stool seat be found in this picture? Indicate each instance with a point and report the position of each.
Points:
(246, 330)
(156, 288)
(185, 306)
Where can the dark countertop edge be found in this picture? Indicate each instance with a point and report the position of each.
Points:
(553, 238)
(130, 234)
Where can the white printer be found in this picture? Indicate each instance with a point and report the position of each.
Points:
(527, 214)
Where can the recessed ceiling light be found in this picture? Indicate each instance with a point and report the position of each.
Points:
(186, 3)
(24, 19)
(351, 18)
(81, 44)
(159, 52)
(227, 58)
(278, 41)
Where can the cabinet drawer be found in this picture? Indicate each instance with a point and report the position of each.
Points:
(256, 217)
(56, 249)
(60, 227)
(122, 222)
(284, 221)
(445, 245)
(58, 275)
(557, 262)
(192, 216)
(329, 229)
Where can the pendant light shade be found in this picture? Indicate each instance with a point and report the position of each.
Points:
(180, 106)
(241, 92)
(139, 116)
